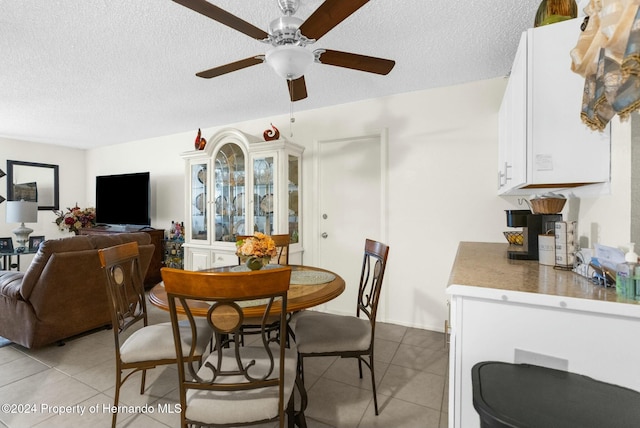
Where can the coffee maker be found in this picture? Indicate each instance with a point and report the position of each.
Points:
(532, 226)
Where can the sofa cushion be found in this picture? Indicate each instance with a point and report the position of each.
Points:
(47, 248)
(10, 284)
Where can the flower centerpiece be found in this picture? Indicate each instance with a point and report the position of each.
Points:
(75, 218)
(256, 251)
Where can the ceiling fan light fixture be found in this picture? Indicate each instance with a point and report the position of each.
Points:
(289, 61)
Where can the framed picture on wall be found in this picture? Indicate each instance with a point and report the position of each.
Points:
(34, 242)
(6, 245)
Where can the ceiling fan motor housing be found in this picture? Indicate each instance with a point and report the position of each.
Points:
(288, 7)
(284, 31)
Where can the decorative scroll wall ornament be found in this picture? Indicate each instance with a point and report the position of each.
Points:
(200, 142)
(271, 134)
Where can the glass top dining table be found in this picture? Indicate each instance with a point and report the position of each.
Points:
(309, 286)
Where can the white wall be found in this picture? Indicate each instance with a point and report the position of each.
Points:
(442, 182)
(73, 180)
(73, 184)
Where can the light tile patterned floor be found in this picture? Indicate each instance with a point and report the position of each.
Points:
(48, 387)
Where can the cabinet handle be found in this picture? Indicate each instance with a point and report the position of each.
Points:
(506, 172)
(500, 183)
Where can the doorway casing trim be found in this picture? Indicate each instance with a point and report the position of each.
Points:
(383, 136)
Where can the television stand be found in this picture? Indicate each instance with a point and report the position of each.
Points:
(153, 275)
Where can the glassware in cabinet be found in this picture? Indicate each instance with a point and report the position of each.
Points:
(199, 202)
(229, 193)
(263, 194)
(293, 185)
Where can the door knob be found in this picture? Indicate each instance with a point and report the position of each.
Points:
(324, 235)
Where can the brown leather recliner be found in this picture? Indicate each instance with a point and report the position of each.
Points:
(63, 292)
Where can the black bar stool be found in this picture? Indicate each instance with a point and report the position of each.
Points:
(524, 395)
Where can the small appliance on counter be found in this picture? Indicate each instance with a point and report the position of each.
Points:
(532, 225)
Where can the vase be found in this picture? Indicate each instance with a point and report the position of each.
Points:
(257, 263)
(552, 11)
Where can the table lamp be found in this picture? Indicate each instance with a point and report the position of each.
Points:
(22, 212)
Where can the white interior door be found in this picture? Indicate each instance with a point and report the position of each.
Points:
(351, 192)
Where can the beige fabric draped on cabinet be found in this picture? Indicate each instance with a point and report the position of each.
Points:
(607, 55)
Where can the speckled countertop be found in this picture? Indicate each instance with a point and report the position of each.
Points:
(482, 264)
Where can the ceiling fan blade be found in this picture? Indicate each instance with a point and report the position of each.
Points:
(328, 15)
(369, 64)
(297, 89)
(222, 16)
(228, 68)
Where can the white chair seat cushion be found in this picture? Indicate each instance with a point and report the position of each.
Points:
(218, 407)
(318, 332)
(155, 342)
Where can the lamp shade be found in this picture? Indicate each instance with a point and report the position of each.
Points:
(22, 212)
(289, 61)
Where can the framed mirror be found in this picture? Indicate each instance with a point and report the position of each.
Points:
(36, 182)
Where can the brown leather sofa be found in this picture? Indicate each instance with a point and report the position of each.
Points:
(63, 292)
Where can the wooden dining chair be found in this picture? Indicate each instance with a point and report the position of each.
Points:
(252, 326)
(150, 345)
(320, 334)
(282, 248)
(235, 385)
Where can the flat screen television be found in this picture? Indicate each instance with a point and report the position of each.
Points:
(123, 199)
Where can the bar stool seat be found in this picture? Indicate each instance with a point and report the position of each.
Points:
(524, 395)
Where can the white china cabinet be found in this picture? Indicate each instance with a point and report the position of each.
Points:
(239, 185)
(542, 140)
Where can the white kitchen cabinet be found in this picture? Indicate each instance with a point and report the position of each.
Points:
(524, 312)
(199, 258)
(543, 144)
(561, 333)
(238, 185)
(512, 156)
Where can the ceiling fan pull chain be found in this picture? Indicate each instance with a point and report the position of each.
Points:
(291, 119)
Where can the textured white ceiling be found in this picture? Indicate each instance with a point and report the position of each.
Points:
(86, 73)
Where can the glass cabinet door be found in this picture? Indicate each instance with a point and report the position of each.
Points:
(199, 202)
(229, 197)
(294, 202)
(263, 194)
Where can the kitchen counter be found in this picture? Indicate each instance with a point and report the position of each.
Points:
(482, 264)
(519, 311)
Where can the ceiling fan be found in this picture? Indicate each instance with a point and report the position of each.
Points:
(289, 36)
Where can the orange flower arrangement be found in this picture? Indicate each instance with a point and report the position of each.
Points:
(258, 245)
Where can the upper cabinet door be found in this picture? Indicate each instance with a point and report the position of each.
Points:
(293, 201)
(512, 122)
(198, 187)
(265, 194)
(565, 150)
(229, 200)
(276, 184)
(541, 134)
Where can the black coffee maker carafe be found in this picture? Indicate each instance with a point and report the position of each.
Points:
(532, 226)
